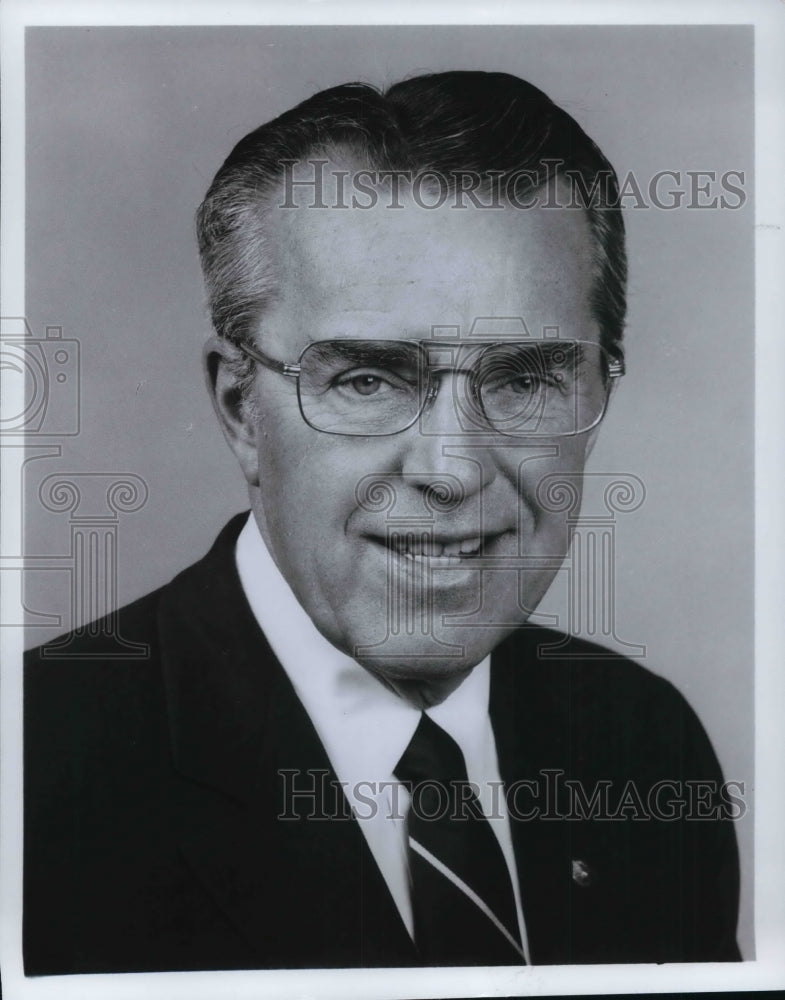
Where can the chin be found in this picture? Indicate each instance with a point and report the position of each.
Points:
(416, 667)
(423, 673)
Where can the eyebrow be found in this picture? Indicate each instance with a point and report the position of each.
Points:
(369, 351)
(574, 350)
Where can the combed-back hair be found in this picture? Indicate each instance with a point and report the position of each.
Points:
(494, 125)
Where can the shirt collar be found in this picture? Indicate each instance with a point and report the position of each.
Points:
(364, 726)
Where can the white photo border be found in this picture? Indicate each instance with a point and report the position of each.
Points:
(767, 971)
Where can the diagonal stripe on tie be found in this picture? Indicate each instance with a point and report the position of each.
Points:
(462, 897)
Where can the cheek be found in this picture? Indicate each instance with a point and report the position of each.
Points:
(548, 481)
(307, 485)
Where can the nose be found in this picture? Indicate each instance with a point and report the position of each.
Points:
(444, 443)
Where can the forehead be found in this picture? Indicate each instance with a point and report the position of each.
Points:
(397, 272)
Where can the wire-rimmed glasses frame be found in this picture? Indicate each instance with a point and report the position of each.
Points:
(422, 386)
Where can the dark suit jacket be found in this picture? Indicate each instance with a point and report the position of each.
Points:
(153, 791)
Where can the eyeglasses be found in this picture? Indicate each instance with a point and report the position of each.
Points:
(363, 388)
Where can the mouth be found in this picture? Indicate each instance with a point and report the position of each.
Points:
(435, 551)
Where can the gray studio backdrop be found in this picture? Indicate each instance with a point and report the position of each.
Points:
(125, 129)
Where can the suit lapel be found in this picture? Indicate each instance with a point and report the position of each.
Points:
(529, 707)
(553, 723)
(301, 892)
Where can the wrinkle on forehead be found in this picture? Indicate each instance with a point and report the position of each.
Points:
(435, 266)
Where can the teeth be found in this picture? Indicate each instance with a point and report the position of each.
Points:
(413, 547)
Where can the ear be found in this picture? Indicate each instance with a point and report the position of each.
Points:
(236, 422)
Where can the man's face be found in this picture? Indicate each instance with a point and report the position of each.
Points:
(417, 619)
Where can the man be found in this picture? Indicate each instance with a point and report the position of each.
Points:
(346, 746)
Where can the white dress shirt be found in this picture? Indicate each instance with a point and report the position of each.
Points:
(365, 727)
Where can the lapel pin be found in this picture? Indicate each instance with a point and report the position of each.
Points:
(582, 874)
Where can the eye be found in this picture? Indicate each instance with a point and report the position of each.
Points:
(524, 383)
(369, 382)
(366, 385)
(529, 382)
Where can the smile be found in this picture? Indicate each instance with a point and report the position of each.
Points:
(421, 545)
(437, 552)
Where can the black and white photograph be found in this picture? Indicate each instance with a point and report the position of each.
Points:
(391, 572)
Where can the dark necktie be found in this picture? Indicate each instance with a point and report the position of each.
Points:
(462, 897)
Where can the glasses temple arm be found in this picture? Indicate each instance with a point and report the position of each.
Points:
(282, 367)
